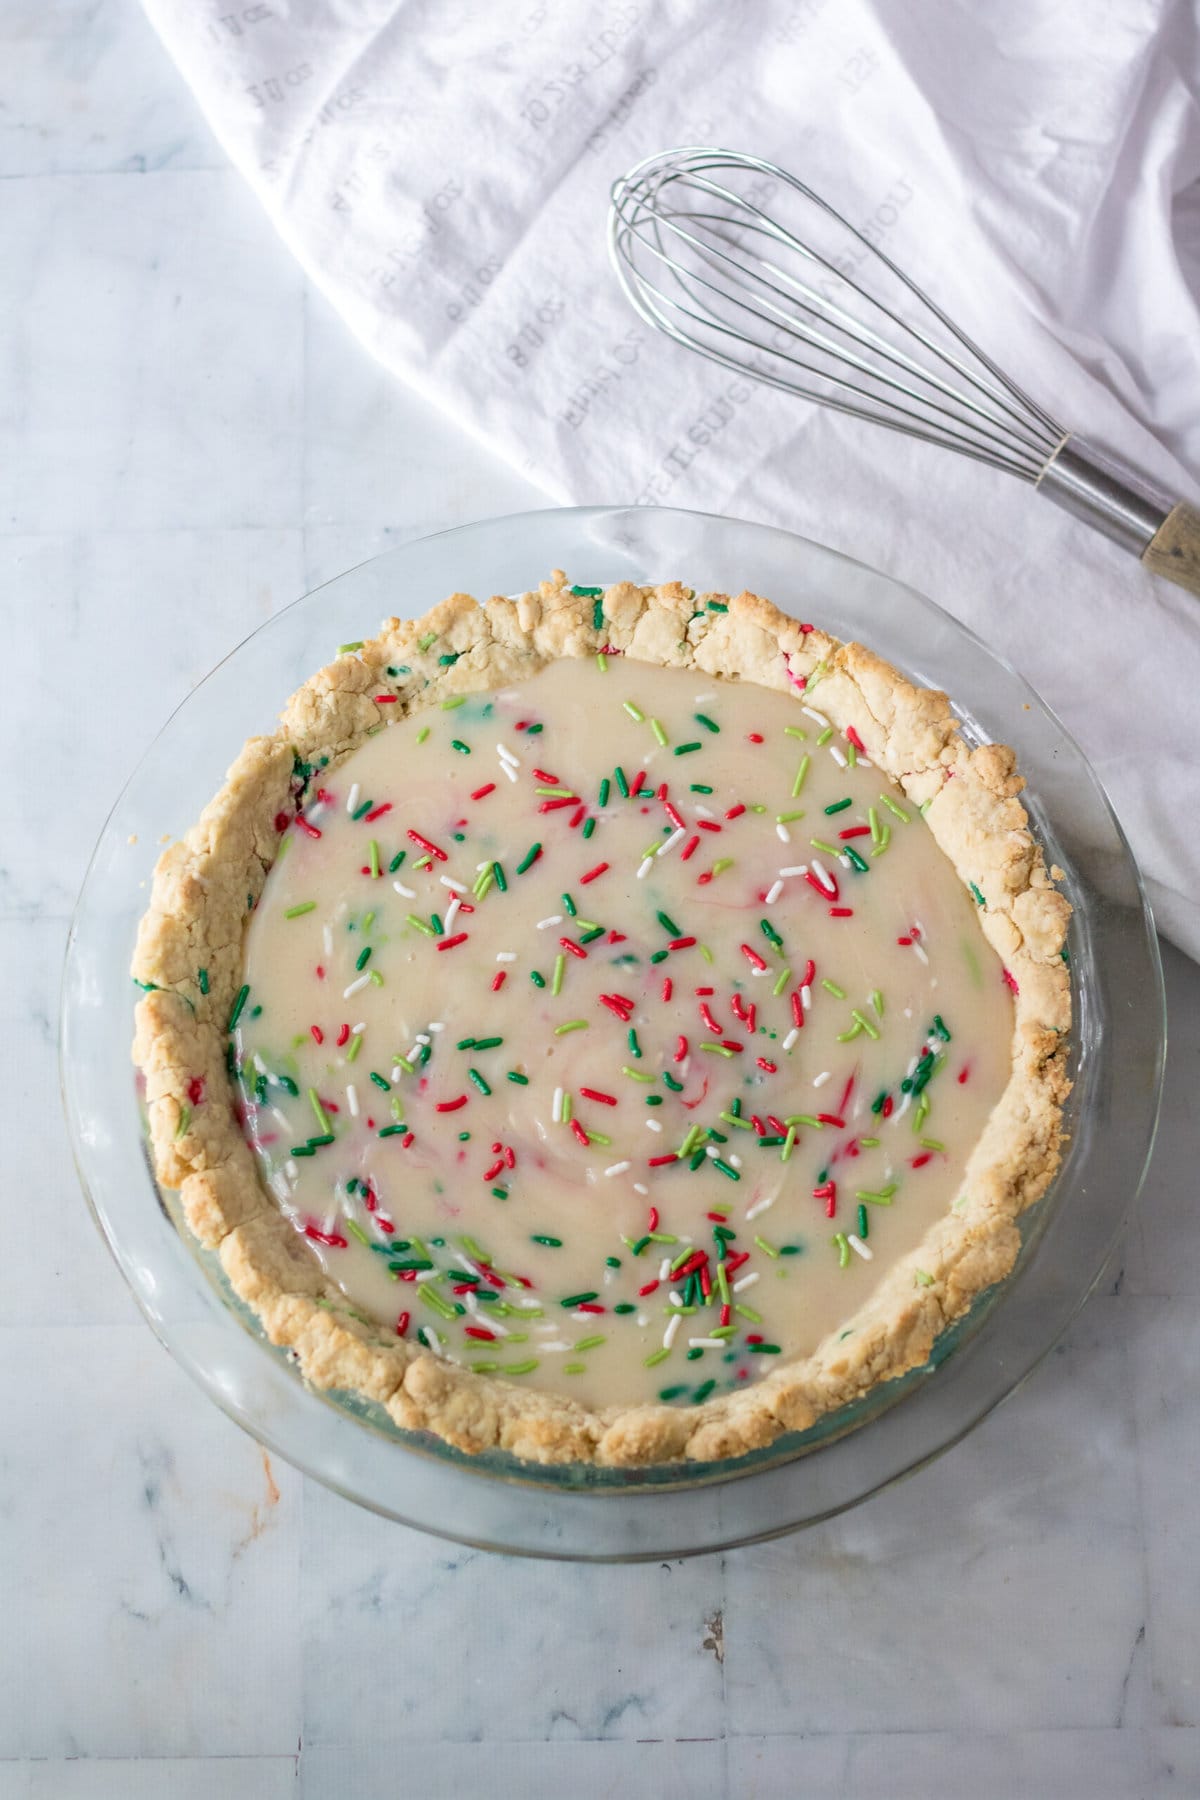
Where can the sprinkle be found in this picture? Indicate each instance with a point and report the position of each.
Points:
(295, 912)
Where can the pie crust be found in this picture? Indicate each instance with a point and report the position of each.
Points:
(204, 883)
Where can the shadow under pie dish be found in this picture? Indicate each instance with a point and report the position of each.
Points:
(763, 1112)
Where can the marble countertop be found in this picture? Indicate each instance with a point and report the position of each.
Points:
(188, 439)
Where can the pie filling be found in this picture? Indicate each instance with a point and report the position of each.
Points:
(617, 1031)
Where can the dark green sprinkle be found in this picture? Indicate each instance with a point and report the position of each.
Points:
(288, 1085)
(500, 1194)
(660, 956)
(703, 1391)
(457, 744)
(597, 615)
(668, 924)
(392, 1130)
(577, 1299)
(855, 859)
(589, 825)
(686, 749)
(364, 957)
(979, 899)
(435, 919)
(529, 858)
(534, 729)
(839, 805)
(238, 1004)
(521, 1080)
(725, 1169)
(676, 1087)
(381, 1081)
(589, 937)
(764, 1349)
(363, 809)
(698, 787)
(708, 724)
(448, 661)
(569, 906)
(474, 1076)
(634, 1047)
(501, 878)
(203, 980)
(612, 1262)
(622, 784)
(605, 790)
(551, 1243)
(672, 1393)
(396, 861)
(624, 1306)
(586, 593)
(492, 1043)
(694, 1354)
(537, 979)
(717, 606)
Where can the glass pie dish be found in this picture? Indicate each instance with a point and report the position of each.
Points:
(584, 1511)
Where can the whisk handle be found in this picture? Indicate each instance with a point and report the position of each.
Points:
(1123, 504)
(1174, 550)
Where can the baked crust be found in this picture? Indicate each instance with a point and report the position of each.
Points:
(196, 920)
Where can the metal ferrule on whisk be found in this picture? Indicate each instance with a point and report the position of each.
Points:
(1105, 493)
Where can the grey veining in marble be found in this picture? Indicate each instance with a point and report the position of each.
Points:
(188, 440)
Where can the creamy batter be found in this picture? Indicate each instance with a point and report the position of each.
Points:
(615, 1032)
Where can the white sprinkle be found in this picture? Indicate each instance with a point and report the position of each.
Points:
(408, 893)
(711, 1150)
(920, 950)
(783, 834)
(352, 1099)
(664, 1268)
(554, 919)
(509, 771)
(745, 1281)
(791, 1037)
(703, 812)
(672, 1328)
(814, 714)
(314, 812)
(796, 869)
(674, 1297)
(670, 843)
(761, 972)
(645, 867)
(618, 1168)
(822, 874)
(506, 755)
(397, 1075)
(437, 1025)
(506, 956)
(761, 1206)
(432, 1339)
(734, 1159)
(552, 1348)
(452, 911)
(806, 998)
(556, 1106)
(864, 762)
(280, 1118)
(327, 939)
(859, 1248)
(773, 893)
(356, 986)
(352, 798)
(355, 1029)
(424, 1275)
(653, 1125)
(290, 1169)
(259, 1064)
(525, 1305)
(422, 1037)
(822, 1078)
(706, 1344)
(456, 887)
(837, 756)
(703, 699)
(639, 1187)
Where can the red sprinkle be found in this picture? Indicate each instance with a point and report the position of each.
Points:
(708, 1019)
(491, 1174)
(499, 979)
(1009, 980)
(731, 1044)
(814, 881)
(384, 700)
(963, 1073)
(707, 825)
(648, 1289)
(754, 737)
(768, 1068)
(580, 1133)
(616, 1003)
(726, 1314)
(460, 937)
(483, 792)
(195, 1090)
(852, 737)
(681, 1049)
(402, 1324)
(853, 831)
(306, 827)
(841, 912)
(689, 849)
(592, 874)
(318, 1034)
(281, 821)
(343, 1036)
(735, 812)
(660, 1162)
(377, 812)
(588, 1306)
(604, 1099)
(426, 845)
(451, 1105)
(918, 1162)
(683, 943)
(545, 775)
(575, 949)
(333, 1239)
(673, 814)
(752, 957)
(652, 1221)
(477, 1331)
(832, 1119)
(557, 805)
(667, 987)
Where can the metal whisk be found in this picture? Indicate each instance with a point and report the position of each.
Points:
(740, 261)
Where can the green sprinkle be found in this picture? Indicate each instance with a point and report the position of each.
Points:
(477, 1079)
(381, 1081)
(392, 1130)
(854, 859)
(716, 606)
(655, 1357)
(500, 1193)
(202, 978)
(838, 806)
(862, 1020)
(622, 784)
(770, 933)
(708, 724)
(635, 1049)
(591, 1343)
(551, 1243)
(748, 1312)
(635, 1074)
(877, 1002)
(893, 808)
(686, 749)
(864, 1223)
(344, 649)
(578, 1299)
(831, 987)
(843, 1249)
(529, 858)
(422, 734)
(239, 1003)
(829, 849)
(421, 925)
(825, 735)
(789, 1144)
(767, 1249)
(796, 731)
(373, 857)
(570, 1025)
(660, 734)
(364, 957)
(698, 787)
(454, 701)
(588, 593)
(538, 979)
(718, 1050)
(726, 1169)
(789, 818)
(763, 1349)
(883, 1197)
(521, 1368)
(722, 863)
(294, 912)
(922, 1279)
(319, 1113)
(457, 744)
(635, 712)
(785, 975)
(560, 963)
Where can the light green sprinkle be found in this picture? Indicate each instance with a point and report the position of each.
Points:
(831, 987)
(354, 1046)
(789, 818)
(373, 858)
(660, 734)
(560, 963)
(885, 838)
(893, 808)
(801, 772)
(635, 1074)
(843, 1249)
(319, 1113)
(421, 925)
(877, 1002)
(922, 1279)
(717, 1050)
(422, 734)
(862, 1019)
(344, 649)
(655, 1357)
(825, 735)
(795, 731)
(296, 912)
(789, 1144)
(785, 975)
(828, 849)
(454, 701)
(571, 1025)
(722, 863)
(767, 1249)
(635, 712)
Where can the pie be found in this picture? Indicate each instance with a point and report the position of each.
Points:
(607, 1025)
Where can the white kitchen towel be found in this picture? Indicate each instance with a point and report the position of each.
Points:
(441, 169)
